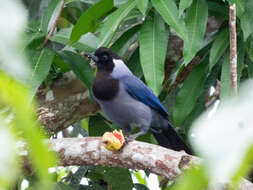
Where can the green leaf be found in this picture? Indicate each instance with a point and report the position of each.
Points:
(219, 46)
(88, 21)
(246, 19)
(240, 57)
(142, 5)
(184, 4)
(87, 43)
(134, 64)
(113, 21)
(48, 15)
(123, 176)
(169, 12)
(80, 67)
(153, 45)
(41, 61)
(121, 45)
(225, 83)
(189, 93)
(139, 186)
(98, 126)
(196, 20)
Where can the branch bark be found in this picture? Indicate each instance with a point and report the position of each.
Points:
(135, 155)
(233, 54)
(51, 32)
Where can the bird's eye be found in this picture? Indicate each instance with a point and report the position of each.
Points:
(104, 57)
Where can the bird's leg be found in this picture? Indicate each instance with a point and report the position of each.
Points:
(144, 130)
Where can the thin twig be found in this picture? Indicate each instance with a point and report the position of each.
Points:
(51, 32)
(233, 54)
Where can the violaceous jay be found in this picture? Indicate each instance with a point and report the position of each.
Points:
(127, 101)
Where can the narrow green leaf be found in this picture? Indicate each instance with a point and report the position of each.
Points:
(189, 93)
(88, 21)
(184, 4)
(219, 46)
(225, 78)
(153, 45)
(121, 45)
(169, 12)
(142, 5)
(87, 43)
(246, 19)
(48, 15)
(113, 21)
(80, 67)
(139, 186)
(41, 63)
(240, 57)
(196, 20)
(98, 126)
(123, 176)
(134, 64)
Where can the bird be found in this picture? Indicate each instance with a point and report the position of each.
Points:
(128, 102)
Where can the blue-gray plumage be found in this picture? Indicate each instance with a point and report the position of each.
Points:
(127, 101)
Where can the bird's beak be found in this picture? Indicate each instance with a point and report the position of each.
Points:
(91, 56)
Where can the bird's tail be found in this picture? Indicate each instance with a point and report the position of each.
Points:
(169, 138)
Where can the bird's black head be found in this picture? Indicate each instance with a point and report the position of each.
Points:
(103, 57)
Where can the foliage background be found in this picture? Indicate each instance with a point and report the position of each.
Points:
(179, 48)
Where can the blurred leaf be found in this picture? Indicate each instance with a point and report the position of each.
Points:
(123, 176)
(139, 186)
(153, 45)
(219, 46)
(142, 5)
(80, 67)
(78, 175)
(184, 4)
(246, 19)
(61, 64)
(169, 12)
(225, 87)
(218, 9)
(87, 43)
(141, 180)
(196, 175)
(196, 20)
(113, 21)
(31, 36)
(134, 64)
(190, 91)
(121, 45)
(41, 63)
(17, 96)
(98, 126)
(34, 8)
(88, 21)
(48, 14)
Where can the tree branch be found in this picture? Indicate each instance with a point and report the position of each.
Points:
(233, 54)
(51, 32)
(135, 155)
(64, 103)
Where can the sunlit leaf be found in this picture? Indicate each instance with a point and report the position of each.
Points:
(153, 45)
(196, 20)
(88, 21)
(48, 15)
(184, 4)
(169, 12)
(113, 21)
(142, 5)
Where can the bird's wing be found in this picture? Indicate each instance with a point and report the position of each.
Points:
(138, 90)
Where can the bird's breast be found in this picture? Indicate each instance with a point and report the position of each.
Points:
(105, 88)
